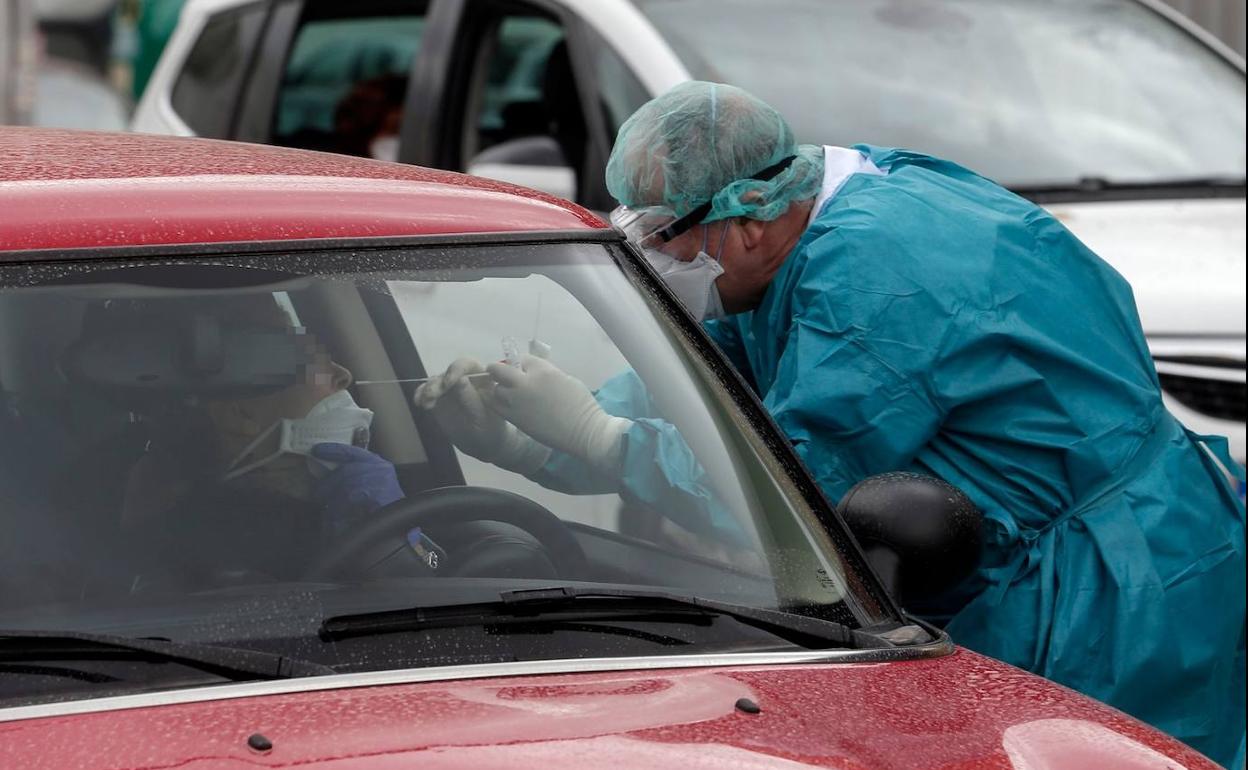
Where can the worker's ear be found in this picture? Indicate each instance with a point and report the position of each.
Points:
(751, 231)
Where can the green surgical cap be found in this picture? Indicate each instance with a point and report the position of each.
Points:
(701, 142)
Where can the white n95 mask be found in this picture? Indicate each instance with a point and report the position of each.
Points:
(692, 282)
(336, 419)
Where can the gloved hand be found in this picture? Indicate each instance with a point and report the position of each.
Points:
(473, 427)
(362, 482)
(558, 410)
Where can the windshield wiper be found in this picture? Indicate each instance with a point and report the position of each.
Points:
(1101, 188)
(228, 662)
(566, 603)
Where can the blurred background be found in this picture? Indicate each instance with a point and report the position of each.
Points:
(79, 63)
(85, 63)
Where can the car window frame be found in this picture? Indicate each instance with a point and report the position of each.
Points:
(595, 43)
(249, 58)
(257, 106)
(433, 129)
(253, 117)
(1201, 36)
(468, 23)
(435, 101)
(581, 39)
(762, 431)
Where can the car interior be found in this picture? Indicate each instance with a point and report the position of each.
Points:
(521, 113)
(106, 369)
(523, 120)
(329, 68)
(524, 99)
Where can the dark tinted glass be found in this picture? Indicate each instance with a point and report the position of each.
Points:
(210, 81)
(345, 77)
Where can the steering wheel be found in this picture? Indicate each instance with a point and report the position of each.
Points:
(443, 509)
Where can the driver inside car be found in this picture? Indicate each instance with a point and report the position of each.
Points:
(266, 475)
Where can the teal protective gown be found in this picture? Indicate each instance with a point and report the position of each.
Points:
(657, 469)
(929, 320)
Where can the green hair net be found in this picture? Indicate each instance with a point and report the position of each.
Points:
(701, 142)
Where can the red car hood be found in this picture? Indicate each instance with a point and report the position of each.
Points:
(962, 711)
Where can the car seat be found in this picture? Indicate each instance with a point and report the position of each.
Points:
(551, 132)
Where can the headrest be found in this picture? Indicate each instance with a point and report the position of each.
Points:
(198, 356)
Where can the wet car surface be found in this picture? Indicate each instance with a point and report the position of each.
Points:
(154, 612)
(960, 712)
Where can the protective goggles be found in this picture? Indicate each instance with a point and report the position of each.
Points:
(651, 227)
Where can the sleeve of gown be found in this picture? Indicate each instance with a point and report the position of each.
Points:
(851, 389)
(726, 333)
(657, 467)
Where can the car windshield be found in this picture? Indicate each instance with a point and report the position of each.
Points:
(1030, 93)
(158, 481)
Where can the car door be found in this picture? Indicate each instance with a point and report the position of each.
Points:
(196, 90)
(526, 92)
(517, 102)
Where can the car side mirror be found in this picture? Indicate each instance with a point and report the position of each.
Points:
(920, 534)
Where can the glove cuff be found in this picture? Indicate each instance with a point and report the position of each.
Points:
(604, 445)
(522, 454)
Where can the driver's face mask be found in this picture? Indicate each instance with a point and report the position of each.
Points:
(335, 419)
(693, 282)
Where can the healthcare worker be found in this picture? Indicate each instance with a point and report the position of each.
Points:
(895, 311)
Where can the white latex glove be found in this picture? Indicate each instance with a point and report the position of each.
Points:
(558, 410)
(473, 427)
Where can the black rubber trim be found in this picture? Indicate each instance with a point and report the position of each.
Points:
(249, 68)
(1127, 192)
(1150, 5)
(245, 248)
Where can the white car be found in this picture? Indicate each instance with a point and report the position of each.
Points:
(1122, 117)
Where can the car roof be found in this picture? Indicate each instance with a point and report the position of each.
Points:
(64, 189)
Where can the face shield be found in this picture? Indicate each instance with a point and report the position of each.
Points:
(653, 227)
(691, 276)
(648, 228)
(691, 279)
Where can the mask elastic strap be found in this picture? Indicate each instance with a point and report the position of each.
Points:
(234, 471)
(694, 217)
(723, 236)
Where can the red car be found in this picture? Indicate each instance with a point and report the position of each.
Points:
(188, 580)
